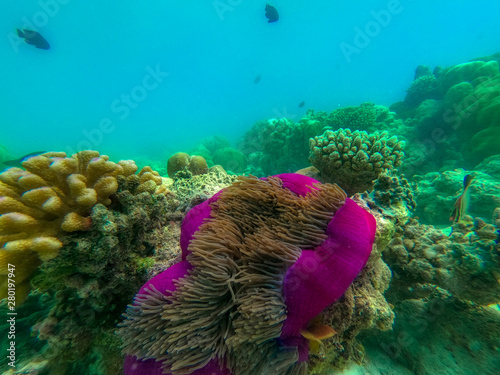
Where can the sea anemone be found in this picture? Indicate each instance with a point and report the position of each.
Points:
(261, 259)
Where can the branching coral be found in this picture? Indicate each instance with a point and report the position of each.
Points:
(422, 88)
(354, 160)
(246, 290)
(54, 194)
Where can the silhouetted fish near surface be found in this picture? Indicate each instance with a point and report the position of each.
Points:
(257, 79)
(462, 203)
(301, 104)
(271, 13)
(33, 38)
(18, 162)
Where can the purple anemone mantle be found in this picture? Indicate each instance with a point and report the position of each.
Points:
(317, 279)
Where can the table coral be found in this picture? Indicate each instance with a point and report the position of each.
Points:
(54, 194)
(227, 310)
(354, 160)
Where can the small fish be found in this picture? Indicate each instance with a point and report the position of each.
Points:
(257, 79)
(18, 162)
(462, 203)
(315, 332)
(271, 13)
(33, 38)
(301, 104)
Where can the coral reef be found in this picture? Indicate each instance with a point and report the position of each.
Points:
(88, 284)
(436, 335)
(363, 307)
(263, 232)
(353, 160)
(422, 88)
(184, 164)
(366, 116)
(436, 193)
(391, 190)
(451, 117)
(278, 145)
(230, 159)
(465, 263)
(55, 194)
(192, 191)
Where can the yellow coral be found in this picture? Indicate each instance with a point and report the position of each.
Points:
(52, 194)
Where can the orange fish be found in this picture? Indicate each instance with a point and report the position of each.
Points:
(462, 203)
(315, 332)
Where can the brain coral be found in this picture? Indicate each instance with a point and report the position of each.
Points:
(354, 160)
(181, 161)
(55, 193)
(261, 259)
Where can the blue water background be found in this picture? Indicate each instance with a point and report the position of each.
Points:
(210, 52)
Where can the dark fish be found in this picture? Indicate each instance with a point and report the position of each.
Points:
(257, 79)
(461, 204)
(33, 38)
(301, 104)
(18, 162)
(271, 13)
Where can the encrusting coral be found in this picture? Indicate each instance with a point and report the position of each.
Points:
(55, 194)
(353, 160)
(189, 192)
(465, 263)
(259, 263)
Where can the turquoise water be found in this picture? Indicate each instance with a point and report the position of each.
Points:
(212, 52)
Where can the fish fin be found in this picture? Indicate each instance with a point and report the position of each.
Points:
(315, 346)
(318, 332)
